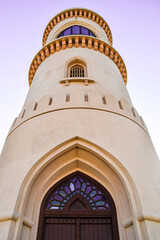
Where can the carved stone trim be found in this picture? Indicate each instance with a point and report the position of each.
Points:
(77, 12)
(143, 216)
(77, 41)
(8, 216)
(127, 222)
(84, 80)
(28, 222)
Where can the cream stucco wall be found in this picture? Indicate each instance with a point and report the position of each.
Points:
(106, 75)
(107, 141)
(48, 131)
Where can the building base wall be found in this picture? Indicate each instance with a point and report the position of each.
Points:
(95, 146)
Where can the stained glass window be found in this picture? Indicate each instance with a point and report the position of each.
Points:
(77, 186)
(76, 29)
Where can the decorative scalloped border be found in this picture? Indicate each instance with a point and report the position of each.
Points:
(77, 41)
(77, 12)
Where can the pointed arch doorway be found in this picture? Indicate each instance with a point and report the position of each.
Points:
(78, 208)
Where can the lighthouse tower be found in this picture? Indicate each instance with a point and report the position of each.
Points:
(78, 162)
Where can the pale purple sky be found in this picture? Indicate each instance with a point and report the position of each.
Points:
(135, 27)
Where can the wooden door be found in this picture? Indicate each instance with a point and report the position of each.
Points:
(96, 229)
(78, 208)
(78, 228)
(59, 229)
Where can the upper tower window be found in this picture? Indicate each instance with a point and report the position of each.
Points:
(74, 30)
(77, 71)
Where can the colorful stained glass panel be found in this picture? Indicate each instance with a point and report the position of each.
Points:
(77, 186)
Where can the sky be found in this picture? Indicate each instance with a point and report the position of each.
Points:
(135, 27)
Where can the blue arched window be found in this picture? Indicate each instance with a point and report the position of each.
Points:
(74, 30)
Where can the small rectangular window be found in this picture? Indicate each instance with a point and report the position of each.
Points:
(35, 106)
(134, 114)
(23, 113)
(86, 97)
(50, 101)
(67, 97)
(104, 100)
(120, 105)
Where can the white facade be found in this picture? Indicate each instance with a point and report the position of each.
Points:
(60, 131)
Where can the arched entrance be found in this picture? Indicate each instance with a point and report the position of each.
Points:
(78, 208)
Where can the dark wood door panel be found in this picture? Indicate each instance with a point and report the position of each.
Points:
(96, 229)
(60, 229)
(78, 229)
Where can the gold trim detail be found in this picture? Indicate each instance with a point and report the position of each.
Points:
(77, 41)
(77, 12)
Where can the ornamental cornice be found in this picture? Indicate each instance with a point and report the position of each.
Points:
(77, 41)
(77, 12)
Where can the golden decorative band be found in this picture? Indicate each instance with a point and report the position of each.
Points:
(77, 41)
(77, 12)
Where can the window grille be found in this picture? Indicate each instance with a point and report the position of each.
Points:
(77, 71)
